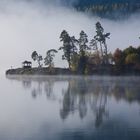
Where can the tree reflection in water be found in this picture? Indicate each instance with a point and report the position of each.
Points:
(37, 90)
(26, 84)
(84, 93)
(48, 87)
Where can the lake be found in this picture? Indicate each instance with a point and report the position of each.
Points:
(69, 108)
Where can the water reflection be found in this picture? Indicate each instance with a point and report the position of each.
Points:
(83, 94)
(26, 84)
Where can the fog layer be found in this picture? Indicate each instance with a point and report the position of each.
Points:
(26, 26)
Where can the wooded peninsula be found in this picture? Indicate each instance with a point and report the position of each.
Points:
(85, 57)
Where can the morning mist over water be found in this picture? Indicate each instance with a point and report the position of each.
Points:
(70, 107)
(26, 26)
(82, 91)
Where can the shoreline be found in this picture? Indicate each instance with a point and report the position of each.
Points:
(65, 71)
(39, 71)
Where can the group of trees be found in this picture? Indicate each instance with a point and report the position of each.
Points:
(127, 59)
(83, 54)
(48, 60)
(78, 51)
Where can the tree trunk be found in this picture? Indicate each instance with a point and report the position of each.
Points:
(102, 56)
(106, 54)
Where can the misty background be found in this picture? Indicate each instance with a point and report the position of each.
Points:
(29, 25)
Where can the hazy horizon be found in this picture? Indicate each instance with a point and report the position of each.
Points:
(26, 26)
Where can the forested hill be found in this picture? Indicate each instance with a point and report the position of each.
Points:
(109, 8)
(90, 2)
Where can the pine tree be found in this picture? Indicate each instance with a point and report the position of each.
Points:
(83, 47)
(101, 38)
(68, 47)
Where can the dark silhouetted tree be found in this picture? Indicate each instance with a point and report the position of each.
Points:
(82, 42)
(68, 47)
(101, 38)
(83, 47)
(48, 60)
(36, 57)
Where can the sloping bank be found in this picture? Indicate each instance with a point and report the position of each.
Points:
(39, 71)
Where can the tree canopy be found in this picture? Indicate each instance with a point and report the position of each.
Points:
(37, 57)
(48, 60)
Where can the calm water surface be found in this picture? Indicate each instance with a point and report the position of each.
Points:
(69, 108)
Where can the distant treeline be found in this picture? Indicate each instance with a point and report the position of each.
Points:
(111, 10)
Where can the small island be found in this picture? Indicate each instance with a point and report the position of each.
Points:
(84, 57)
